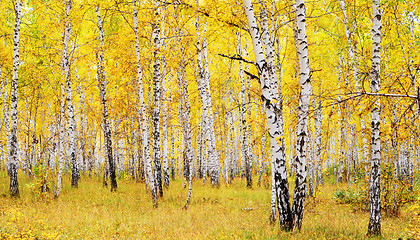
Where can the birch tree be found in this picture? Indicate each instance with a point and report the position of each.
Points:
(272, 112)
(6, 119)
(185, 116)
(318, 141)
(165, 126)
(156, 97)
(303, 111)
(13, 151)
(244, 140)
(374, 227)
(102, 91)
(212, 150)
(70, 110)
(62, 156)
(142, 112)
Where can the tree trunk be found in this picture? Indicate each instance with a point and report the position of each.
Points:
(185, 116)
(244, 141)
(6, 119)
(82, 135)
(272, 110)
(374, 227)
(342, 155)
(212, 146)
(310, 163)
(142, 113)
(303, 110)
(102, 87)
(156, 98)
(70, 110)
(165, 126)
(318, 140)
(172, 135)
(62, 155)
(13, 151)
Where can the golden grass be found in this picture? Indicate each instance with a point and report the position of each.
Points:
(93, 212)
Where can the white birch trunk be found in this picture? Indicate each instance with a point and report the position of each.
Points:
(244, 140)
(142, 114)
(102, 89)
(6, 119)
(70, 110)
(272, 111)
(303, 110)
(204, 102)
(156, 98)
(232, 141)
(212, 149)
(62, 156)
(13, 151)
(82, 135)
(374, 227)
(318, 141)
(250, 157)
(185, 116)
(310, 164)
(333, 148)
(342, 155)
(172, 134)
(165, 126)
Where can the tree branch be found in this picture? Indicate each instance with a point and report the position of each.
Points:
(237, 57)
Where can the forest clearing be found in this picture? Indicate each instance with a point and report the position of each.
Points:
(191, 119)
(230, 212)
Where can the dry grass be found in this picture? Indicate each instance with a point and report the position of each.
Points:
(93, 212)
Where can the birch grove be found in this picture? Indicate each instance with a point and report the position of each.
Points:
(169, 95)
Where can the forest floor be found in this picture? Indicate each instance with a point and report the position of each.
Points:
(230, 212)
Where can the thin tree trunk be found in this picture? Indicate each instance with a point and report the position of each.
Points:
(212, 146)
(204, 102)
(102, 87)
(82, 135)
(62, 155)
(244, 141)
(6, 119)
(342, 155)
(272, 110)
(172, 135)
(33, 158)
(70, 110)
(13, 151)
(186, 125)
(303, 110)
(318, 141)
(156, 98)
(142, 114)
(165, 126)
(310, 163)
(374, 227)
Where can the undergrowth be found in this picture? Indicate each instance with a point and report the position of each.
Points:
(228, 212)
